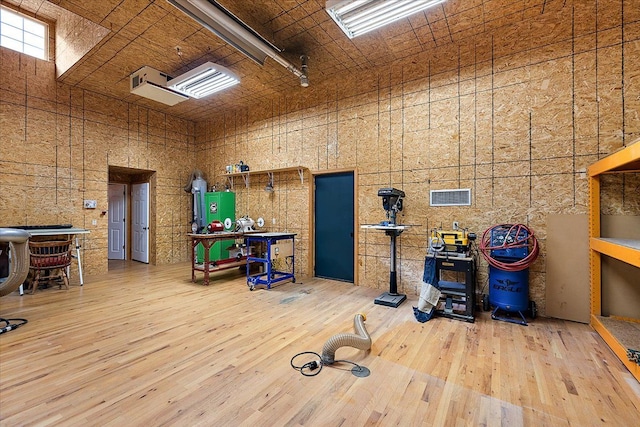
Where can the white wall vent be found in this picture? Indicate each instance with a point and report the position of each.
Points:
(460, 197)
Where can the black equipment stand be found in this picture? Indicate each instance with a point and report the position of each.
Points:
(460, 293)
(392, 298)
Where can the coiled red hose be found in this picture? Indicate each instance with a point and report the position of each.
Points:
(515, 231)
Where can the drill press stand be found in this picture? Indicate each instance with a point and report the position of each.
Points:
(392, 204)
(392, 298)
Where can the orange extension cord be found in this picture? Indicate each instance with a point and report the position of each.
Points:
(514, 230)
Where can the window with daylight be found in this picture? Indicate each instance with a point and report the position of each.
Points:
(24, 34)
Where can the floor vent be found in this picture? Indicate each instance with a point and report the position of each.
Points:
(461, 197)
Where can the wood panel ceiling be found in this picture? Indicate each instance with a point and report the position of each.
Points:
(155, 33)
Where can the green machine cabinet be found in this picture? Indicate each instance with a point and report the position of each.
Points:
(219, 206)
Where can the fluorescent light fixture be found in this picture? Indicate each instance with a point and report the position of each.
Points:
(357, 17)
(213, 16)
(203, 80)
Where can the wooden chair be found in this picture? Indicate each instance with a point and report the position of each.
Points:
(50, 256)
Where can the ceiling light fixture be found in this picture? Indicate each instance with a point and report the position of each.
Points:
(203, 80)
(357, 17)
(213, 16)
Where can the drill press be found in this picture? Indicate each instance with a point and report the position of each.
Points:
(392, 203)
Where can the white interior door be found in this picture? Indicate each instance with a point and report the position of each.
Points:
(117, 220)
(140, 222)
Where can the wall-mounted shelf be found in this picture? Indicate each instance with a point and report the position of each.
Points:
(612, 328)
(245, 175)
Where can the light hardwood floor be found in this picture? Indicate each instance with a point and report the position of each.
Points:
(143, 346)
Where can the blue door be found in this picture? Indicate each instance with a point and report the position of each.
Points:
(334, 246)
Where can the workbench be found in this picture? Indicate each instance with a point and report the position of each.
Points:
(207, 240)
(273, 250)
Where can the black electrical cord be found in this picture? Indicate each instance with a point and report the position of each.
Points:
(355, 365)
(313, 368)
(8, 326)
(308, 368)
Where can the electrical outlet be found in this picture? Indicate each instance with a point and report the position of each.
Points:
(90, 204)
(273, 221)
(94, 222)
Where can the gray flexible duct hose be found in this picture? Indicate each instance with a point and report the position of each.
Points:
(19, 267)
(360, 340)
(196, 174)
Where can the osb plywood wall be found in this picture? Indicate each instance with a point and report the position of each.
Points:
(56, 146)
(517, 116)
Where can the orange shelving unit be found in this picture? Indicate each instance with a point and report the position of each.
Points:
(626, 160)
